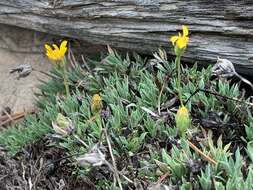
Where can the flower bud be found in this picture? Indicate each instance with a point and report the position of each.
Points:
(182, 120)
(63, 125)
(96, 104)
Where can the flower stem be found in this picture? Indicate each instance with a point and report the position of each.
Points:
(178, 60)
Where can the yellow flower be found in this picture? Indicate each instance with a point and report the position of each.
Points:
(96, 104)
(182, 120)
(56, 53)
(181, 41)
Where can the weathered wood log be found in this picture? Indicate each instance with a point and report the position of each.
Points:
(218, 28)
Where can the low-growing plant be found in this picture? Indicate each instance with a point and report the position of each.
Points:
(125, 107)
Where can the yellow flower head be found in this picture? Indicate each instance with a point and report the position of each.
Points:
(182, 120)
(56, 53)
(96, 104)
(181, 40)
(183, 111)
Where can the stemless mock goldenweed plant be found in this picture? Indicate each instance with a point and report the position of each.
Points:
(180, 42)
(145, 145)
(57, 56)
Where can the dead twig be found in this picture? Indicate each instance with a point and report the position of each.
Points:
(217, 94)
(7, 114)
(163, 177)
(205, 157)
(9, 118)
(113, 160)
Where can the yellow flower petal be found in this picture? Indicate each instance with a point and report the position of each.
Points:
(48, 54)
(185, 30)
(173, 39)
(48, 48)
(62, 52)
(51, 57)
(63, 48)
(56, 47)
(56, 53)
(182, 42)
(63, 44)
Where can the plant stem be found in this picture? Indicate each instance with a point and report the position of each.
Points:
(179, 79)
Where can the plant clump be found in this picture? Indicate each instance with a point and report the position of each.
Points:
(125, 125)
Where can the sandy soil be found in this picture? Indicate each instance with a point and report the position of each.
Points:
(19, 46)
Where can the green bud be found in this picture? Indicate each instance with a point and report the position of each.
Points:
(182, 120)
(63, 125)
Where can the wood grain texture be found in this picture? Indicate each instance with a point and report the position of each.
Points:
(221, 28)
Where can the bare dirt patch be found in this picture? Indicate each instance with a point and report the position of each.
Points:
(19, 46)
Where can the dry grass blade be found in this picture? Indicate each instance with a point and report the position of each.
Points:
(85, 64)
(113, 160)
(71, 58)
(163, 177)
(206, 157)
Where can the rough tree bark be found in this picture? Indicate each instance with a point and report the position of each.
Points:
(221, 28)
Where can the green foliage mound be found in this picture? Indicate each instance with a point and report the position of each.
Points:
(139, 104)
